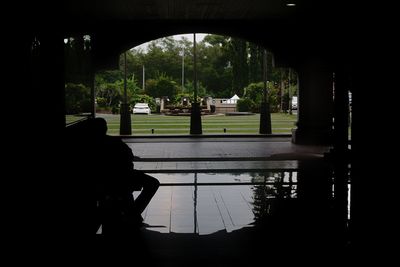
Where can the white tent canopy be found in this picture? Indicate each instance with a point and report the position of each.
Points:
(235, 97)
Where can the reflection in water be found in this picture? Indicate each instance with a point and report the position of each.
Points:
(276, 186)
(195, 203)
(222, 201)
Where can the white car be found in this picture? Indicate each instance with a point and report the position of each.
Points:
(294, 102)
(141, 108)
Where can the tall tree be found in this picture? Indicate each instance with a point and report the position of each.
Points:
(239, 57)
(255, 63)
(217, 74)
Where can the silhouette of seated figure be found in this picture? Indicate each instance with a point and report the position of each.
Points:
(115, 180)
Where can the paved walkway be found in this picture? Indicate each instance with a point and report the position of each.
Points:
(180, 154)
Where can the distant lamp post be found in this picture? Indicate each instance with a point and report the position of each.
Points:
(289, 93)
(125, 119)
(265, 115)
(195, 115)
(183, 69)
(143, 79)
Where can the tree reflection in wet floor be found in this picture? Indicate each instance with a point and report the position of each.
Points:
(205, 203)
(224, 219)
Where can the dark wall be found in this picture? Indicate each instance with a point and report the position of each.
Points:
(358, 46)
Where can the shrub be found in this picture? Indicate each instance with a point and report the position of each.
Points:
(77, 98)
(245, 105)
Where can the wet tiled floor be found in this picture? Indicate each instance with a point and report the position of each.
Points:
(210, 208)
(220, 199)
(203, 208)
(205, 203)
(226, 218)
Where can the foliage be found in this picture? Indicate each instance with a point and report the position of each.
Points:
(111, 93)
(109, 87)
(101, 102)
(189, 89)
(161, 86)
(225, 66)
(273, 99)
(245, 105)
(180, 96)
(239, 55)
(255, 63)
(77, 98)
(110, 76)
(254, 92)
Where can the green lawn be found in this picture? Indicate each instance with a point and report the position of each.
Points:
(212, 124)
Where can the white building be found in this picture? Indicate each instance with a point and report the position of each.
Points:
(225, 105)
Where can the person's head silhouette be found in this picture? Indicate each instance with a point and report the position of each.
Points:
(99, 126)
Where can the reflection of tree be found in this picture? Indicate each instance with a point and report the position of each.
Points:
(261, 203)
(274, 189)
(235, 173)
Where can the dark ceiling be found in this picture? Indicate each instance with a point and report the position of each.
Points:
(129, 10)
(287, 30)
(181, 9)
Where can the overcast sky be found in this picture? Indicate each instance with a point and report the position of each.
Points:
(199, 37)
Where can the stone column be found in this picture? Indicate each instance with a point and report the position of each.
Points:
(315, 107)
(195, 113)
(49, 91)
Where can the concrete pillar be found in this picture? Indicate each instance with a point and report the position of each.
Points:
(195, 114)
(315, 111)
(44, 98)
(314, 199)
(49, 87)
(125, 127)
(195, 119)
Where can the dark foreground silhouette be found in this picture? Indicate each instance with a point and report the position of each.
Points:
(104, 179)
(305, 225)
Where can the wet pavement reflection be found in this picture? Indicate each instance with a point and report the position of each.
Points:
(237, 218)
(205, 203)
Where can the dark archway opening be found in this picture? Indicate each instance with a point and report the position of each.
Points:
(230, 75)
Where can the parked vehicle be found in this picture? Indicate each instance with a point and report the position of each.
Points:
(294, 102)
(141, 108)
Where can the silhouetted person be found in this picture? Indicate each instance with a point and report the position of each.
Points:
(115, 180)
